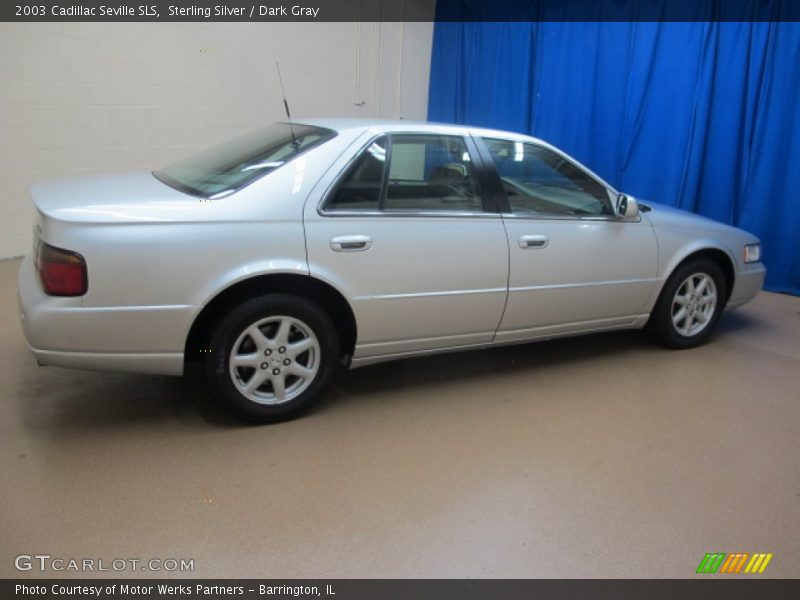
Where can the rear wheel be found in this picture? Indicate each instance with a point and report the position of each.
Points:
(690, 305)
(271, 357)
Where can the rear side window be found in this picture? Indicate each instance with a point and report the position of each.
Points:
(229, 167)
(431, 173)
(362, 185)
(410, 172)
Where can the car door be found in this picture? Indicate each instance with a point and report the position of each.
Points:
(406, 233)
(574, 266)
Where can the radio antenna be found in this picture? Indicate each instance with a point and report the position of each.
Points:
(286, 106)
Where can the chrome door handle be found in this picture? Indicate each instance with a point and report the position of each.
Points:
(533, 241)
(351, 243)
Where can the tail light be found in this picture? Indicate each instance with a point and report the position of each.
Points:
(62, 273)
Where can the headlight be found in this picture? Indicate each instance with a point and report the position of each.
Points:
(752, 253)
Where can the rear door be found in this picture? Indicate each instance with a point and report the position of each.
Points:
(404, 229)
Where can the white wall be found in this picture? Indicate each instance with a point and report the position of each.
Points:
(82, 97)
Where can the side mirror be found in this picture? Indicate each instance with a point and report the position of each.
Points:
(627, 208)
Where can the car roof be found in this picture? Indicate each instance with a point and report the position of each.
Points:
(401, 125)
(346, 124)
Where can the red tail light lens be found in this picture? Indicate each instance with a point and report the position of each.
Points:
(62, 273)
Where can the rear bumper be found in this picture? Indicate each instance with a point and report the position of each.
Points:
(139, 339)
(749, 282)
(157, 364)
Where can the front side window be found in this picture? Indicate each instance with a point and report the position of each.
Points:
(540, 182)
(410, 172)
(229, 167)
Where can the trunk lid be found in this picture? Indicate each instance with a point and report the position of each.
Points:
(111, 198)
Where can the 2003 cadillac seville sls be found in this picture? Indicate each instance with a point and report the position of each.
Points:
(300, 248)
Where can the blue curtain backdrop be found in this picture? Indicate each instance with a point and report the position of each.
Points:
(700, 115)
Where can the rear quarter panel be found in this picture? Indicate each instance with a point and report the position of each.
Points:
(150, 273)
(188, 258)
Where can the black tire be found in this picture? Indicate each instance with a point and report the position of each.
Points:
(265, 405)
(661, 325)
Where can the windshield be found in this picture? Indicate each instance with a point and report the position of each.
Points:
(227, 168)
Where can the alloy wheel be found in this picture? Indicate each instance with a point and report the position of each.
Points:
(694, 304)
(274, 360)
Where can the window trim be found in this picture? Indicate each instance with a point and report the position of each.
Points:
(387, 166)
(502, 197)
(490, 207)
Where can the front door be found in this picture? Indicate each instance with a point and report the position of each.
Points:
(574, 266)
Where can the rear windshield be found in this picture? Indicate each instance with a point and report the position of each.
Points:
(229, 167)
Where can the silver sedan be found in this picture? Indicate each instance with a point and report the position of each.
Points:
(305, 247)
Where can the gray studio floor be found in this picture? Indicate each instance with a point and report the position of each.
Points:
(601, 456)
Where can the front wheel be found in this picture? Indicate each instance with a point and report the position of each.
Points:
(690, 305)
(271, 357)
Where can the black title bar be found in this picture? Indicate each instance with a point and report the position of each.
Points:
(401, 10)
(217, 10)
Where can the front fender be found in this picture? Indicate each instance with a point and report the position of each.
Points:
(671, 256)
